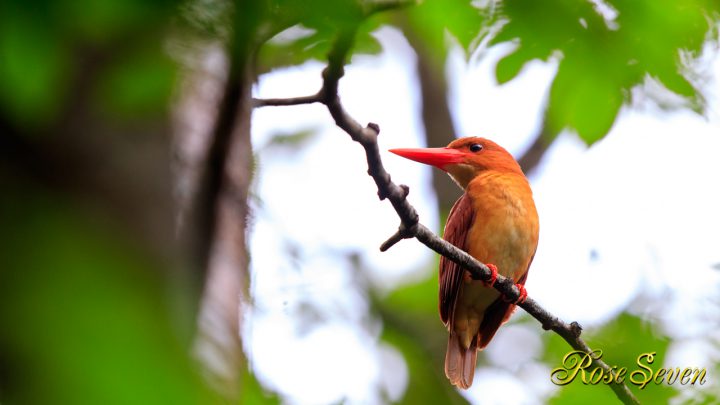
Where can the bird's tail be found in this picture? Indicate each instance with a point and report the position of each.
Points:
(460, 362)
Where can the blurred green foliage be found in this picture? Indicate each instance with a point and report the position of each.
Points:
(85, 316)
(91, 313)
(622, 340)
(412, 325)
(139, 84)
(47, 45)
(283, 141)
(34, 69)
(319, 21)
(435, 19)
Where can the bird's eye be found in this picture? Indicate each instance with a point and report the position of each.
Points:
(476, 147)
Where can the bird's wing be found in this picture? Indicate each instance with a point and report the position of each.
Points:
(451, 274)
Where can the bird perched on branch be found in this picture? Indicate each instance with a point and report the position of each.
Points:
(496, 222)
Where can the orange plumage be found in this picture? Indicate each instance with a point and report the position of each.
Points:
(496, 222)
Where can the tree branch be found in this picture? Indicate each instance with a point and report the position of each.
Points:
(264, 102)
(222, 213)
(534, 154)
(409, 219)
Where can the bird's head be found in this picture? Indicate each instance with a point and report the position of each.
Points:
(465, 158)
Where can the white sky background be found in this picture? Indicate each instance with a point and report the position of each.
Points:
(635, 215)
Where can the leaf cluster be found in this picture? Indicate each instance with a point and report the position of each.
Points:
(603, 49)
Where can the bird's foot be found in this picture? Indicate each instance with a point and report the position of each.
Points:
(493, 275)
(521, 298)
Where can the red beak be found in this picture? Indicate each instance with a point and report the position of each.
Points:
(438, 157)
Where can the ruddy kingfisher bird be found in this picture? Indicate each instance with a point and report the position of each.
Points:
(496, 222)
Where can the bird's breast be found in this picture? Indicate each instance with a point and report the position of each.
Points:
(505, 230)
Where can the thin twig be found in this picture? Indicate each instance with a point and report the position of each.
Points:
(410, 226)
(264, 102)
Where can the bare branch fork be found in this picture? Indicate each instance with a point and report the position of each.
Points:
(410, 227)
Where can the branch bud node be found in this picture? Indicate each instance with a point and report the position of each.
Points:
(375, 127)
(576, 329)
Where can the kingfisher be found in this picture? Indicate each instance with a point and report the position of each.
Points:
(496, 222)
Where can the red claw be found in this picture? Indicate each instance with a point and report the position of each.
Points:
(521, 298)
(523, 294)
(493, 275)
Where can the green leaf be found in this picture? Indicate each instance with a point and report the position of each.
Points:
(584, 100)
(601, 61)
(432, 19)
(314, 45)
(322, 21)
(510, 65)
(543, 27)
(656, 32)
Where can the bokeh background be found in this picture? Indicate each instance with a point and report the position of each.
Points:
(164, 242)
